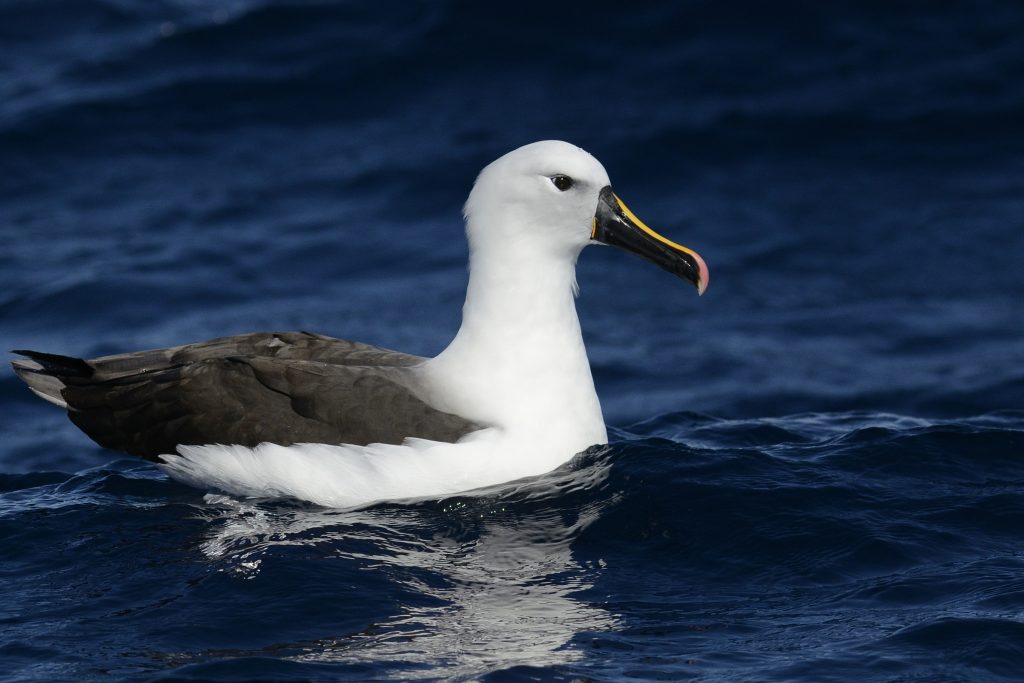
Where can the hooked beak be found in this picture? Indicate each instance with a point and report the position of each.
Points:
(616, 225)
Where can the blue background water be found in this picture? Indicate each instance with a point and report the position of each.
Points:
(817, 470)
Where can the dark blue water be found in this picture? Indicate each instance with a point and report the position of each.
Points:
(817, 469)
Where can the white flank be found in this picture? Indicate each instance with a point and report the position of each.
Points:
(351, 476)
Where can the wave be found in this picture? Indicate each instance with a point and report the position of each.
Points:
(157, 83)
(704, 533)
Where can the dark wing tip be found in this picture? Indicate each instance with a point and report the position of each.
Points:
(55, 364)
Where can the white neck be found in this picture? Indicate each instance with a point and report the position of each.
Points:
(518, 361)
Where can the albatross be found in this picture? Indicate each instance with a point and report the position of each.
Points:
(341, 423)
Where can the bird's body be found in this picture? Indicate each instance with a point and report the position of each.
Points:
(342, 423)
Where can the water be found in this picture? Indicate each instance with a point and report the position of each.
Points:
(816, 470)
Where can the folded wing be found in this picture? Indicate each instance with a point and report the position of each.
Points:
(284, 388)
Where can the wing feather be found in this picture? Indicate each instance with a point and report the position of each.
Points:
(282, 388)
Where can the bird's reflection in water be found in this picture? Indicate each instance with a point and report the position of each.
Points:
(500, 573)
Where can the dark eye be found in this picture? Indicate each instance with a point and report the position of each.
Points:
(562, 182)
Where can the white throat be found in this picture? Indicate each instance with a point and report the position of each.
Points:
(518, 361)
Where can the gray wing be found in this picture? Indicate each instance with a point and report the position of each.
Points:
(282, 388)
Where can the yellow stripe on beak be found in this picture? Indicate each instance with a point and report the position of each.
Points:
(616, 225)
(643, 226)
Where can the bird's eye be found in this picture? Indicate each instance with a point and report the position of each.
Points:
(562, 182)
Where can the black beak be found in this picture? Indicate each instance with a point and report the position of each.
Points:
(616, 225)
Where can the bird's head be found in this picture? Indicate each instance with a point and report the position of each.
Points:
(553, 198)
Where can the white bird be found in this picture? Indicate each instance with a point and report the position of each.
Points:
(340, 423)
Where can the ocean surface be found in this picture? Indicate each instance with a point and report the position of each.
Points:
(816, 470)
